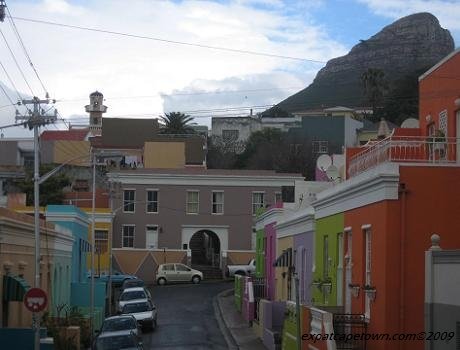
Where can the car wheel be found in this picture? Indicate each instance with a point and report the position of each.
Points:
(161, 281)
(196, 279)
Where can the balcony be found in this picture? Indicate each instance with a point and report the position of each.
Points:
(425, 150)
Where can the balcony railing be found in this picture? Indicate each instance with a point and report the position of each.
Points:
(410, 149)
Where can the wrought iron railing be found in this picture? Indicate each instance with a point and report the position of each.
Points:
(258, 284)
(346, 326)
(412, 149)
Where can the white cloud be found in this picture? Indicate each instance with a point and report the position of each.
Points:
(445, 10)
(74, 63)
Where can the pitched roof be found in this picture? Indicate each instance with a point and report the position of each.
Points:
(64, 135)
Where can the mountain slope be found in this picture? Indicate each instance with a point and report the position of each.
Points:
(410, 44)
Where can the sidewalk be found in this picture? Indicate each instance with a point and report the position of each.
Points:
(235, 329)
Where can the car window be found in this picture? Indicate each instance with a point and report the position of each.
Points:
(118, 324)
(180, 267)
(168, 267)
(137, 307)
(137, 294)
(116, 342)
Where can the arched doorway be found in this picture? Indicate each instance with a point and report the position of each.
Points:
(205, 248)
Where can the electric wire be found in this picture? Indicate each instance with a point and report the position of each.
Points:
(168, 41)
(26, 53)
(17, 63)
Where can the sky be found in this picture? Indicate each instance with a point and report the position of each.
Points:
(141, 77)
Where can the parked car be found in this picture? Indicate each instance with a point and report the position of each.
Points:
(117, 278)
(120, 323)
(244, 270)
(132, 283)
(167, 273)
(144, 312)
(131, 295)
(117, 340)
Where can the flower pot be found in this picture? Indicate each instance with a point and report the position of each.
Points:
(326, 288)
(371, 294)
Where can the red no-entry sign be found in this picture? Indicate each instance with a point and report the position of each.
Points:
(35, 300)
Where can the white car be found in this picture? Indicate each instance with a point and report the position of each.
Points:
(132, 295)
(120, 323)
(144, 312)
(177, 273)
(243, 270)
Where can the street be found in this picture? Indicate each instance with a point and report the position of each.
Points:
(186, 317)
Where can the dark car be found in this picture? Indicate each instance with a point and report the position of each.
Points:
(132, 283)
(120, 323)
(117, 341)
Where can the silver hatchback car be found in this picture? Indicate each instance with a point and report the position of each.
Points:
(177, 273)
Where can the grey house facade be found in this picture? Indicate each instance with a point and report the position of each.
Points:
(197, 216)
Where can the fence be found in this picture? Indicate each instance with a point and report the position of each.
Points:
(350, 324)
(258, 284)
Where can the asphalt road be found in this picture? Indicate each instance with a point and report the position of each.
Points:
(186, 318)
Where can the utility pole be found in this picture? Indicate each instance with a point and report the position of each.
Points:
(36, 118)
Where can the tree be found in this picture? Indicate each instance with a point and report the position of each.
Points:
(51, 191)
(176, 123)
(375, 87)
(223, 152)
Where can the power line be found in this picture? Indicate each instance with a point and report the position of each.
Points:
(26, 53)
(168, 41)
(16, 62)
(10, 80)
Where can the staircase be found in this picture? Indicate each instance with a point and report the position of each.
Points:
(209, 272)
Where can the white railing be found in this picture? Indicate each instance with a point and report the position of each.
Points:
(412, 149)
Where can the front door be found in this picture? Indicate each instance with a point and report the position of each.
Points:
(348, 276)
(151, 237)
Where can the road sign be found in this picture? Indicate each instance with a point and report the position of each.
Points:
(35, 300)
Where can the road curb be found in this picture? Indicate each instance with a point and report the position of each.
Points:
(229, 339)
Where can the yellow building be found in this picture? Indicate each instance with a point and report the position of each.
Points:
(103, 235)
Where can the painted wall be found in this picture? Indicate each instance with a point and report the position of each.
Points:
(76, 221)
(438, 93)
(331, 227)
(165, 155)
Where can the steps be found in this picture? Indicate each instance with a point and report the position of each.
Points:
(209, 272)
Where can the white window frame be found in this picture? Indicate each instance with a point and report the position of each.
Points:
(123, 235)
(129, 202)
(147, 201)
(254, 209)
(106, 239)
(217, 203)
(187, 203)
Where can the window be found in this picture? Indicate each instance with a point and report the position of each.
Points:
(443, 122)
(193, 202)
(320, 146)
(128, 236)
(217, 202)
(152, 201)
(101, 241)
(168, 267)
(230, 135)
(180, 267)
(258, 201)
(278, 197)
(128, 201)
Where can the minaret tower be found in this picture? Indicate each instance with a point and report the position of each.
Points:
(95, 110)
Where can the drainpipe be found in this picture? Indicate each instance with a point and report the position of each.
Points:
(402, 192)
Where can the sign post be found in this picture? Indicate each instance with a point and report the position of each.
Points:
(36, 300)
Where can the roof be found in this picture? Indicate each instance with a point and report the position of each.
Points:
(64, 135)
(204, 172)
(339, 109)
(439, 64)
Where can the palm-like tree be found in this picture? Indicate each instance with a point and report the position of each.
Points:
(375, 87)
(176, 123)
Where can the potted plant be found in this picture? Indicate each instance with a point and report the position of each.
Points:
(437, 142)
(326, 286)
(355, 288)
(317, 283)
(370, 291)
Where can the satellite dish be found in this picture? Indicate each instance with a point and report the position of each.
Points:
(323, 162)
(332, 172)
(410, 123)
